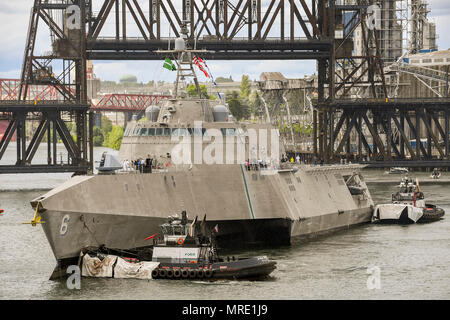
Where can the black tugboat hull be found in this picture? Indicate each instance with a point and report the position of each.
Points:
(248, 269)
(431, 213)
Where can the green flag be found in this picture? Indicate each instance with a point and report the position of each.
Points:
(169, 65)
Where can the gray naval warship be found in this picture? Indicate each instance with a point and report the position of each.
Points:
(251, 196)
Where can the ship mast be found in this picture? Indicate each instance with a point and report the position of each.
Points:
(183, 55)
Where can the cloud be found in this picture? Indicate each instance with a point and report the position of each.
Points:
(11, 74)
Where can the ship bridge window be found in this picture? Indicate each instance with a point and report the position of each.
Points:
(136, 131)
(143, 132)
(127, 132)
(167, 132)
(197, 132)
(151, 132)
(180, 132)
(178, 230)
(173, 229)
(231, 132)
(159, 131)
(228, 132)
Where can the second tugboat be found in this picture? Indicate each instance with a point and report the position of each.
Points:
(408, 206)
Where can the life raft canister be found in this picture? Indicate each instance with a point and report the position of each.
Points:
(180, 241)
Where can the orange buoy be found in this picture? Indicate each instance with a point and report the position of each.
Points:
(180, 241)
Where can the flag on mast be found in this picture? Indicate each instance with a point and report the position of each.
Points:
(169, 65)
(202, 65)
(199, 63)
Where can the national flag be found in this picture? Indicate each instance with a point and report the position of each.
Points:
(198, 62)
(203, 70)
(169, 65)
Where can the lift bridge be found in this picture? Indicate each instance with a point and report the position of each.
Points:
(82, 30)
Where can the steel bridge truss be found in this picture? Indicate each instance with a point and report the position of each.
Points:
(346, 75)
(52, 126)
(127, 102)
(287, 29)
(70, 95)
(389, 132)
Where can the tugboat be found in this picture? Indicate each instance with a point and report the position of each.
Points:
(183, 251)
(408, 206)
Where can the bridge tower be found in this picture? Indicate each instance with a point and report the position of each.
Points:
(66, 22)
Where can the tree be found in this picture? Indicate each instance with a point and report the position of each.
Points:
(97, 137)
(222, 79)
(114, 138)
(238, 108)
(128, 78)
(245, 87)
(296, 101)
(192, 91)
(107, 83)
(106, 125)
(256, 104)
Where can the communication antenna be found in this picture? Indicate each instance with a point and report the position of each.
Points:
(168, 43)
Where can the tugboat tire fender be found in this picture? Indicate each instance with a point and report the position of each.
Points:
(200, 274)
(184, 273)
(155, 273)
(169, 273)
(161, 273)
(177, 273)
(208, 273)
(192, 273)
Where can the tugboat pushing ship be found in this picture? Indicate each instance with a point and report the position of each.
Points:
(263, 204)
(181, 251)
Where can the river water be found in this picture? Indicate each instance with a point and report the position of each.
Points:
(413, 260)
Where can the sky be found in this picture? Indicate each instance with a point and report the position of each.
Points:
(14, 16)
